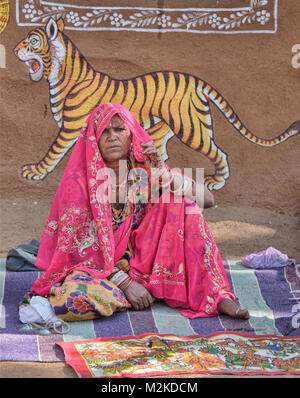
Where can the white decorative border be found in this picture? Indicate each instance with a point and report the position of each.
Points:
(260, 15)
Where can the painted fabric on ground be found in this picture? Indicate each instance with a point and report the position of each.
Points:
(156, 354)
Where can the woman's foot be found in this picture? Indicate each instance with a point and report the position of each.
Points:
(229, 307)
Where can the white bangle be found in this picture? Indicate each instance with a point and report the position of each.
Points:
(116, 276)
(184, 187)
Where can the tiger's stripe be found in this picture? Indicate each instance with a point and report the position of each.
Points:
(175, 103)
(149, 87)
(119, 95)
(159, 94)
(139, 97)
(130, 95)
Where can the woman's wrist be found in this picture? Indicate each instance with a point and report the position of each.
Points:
(181, 185)
(119, 278)
(125, 284)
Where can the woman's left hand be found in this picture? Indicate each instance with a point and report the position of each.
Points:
(138, 296)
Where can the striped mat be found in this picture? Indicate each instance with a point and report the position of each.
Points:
(271, 296)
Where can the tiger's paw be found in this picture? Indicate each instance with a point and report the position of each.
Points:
(32, 172)
(214, 183)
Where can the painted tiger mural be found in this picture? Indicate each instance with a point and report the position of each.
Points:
(165, 103)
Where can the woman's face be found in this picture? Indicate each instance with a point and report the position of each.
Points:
(114, 143)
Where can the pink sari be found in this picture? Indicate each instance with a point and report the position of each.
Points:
(175, 256)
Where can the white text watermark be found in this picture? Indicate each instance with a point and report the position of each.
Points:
(138, 185)
(2, 56)
(296, 317)
(296, 57)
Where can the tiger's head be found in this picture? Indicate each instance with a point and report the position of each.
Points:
(42, 50)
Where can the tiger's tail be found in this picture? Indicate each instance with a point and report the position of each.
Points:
(216, 98)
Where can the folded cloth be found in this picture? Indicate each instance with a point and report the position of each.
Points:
(23, 257)
(269, 258)
(40, 315)
(39, 311)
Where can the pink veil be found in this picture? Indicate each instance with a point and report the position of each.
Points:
(78, 232)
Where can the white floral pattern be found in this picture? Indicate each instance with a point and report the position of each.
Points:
(214, 20)
(259, 16)
(72, 17)
(116, 19)
(164, 21)
(29, 10)
(263, 17)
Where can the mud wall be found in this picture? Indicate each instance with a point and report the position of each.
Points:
(242, 57)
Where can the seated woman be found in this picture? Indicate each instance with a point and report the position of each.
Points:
(107, 247)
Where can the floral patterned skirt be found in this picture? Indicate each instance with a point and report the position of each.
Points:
(81, 297)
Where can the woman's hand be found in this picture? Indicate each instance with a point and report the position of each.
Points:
(138, 296)
(154, 162)
(152, 156)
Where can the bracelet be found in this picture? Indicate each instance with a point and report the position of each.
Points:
(185, 186)
(124, 285)
(121, 280)
(118, 277)
(180, 188)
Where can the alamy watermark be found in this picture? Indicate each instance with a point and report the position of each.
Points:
(296, 317)
(137, 185)
(2, 56)
(296, 57)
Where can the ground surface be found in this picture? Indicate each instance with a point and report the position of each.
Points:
(238, 231)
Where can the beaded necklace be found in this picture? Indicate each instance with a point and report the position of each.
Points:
(119, 215)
